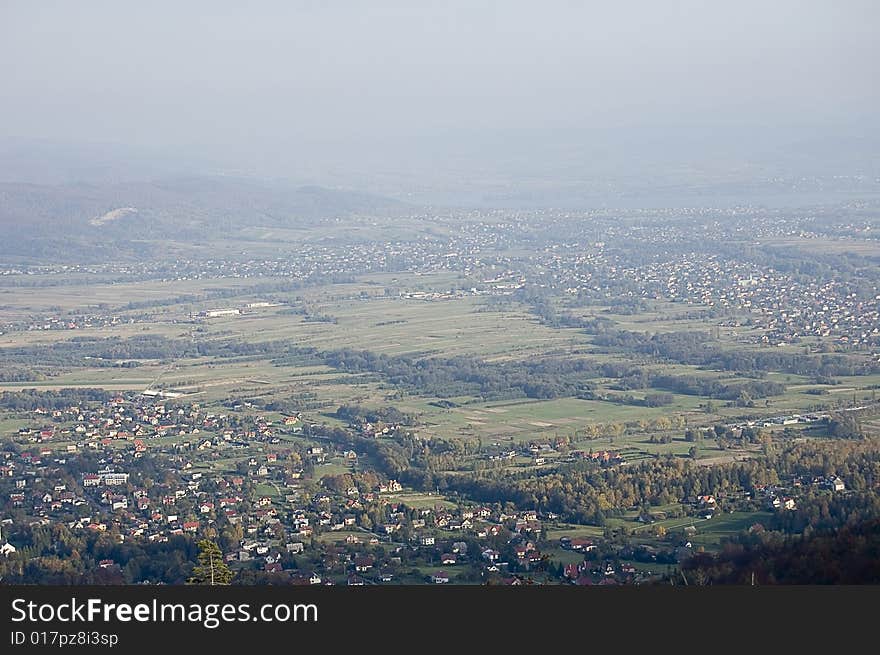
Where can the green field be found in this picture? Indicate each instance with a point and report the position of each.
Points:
(419, 500)
(366, 316)
(709, 533)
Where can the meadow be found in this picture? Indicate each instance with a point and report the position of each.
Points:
(363, 315)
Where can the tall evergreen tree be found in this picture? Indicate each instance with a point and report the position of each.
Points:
(211, 569)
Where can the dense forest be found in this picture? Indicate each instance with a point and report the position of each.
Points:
(56, 555)
(361, 414)
(850, 555)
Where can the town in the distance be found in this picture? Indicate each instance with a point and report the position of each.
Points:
(358, 391)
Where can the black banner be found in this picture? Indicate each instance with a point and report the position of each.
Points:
(127, 618)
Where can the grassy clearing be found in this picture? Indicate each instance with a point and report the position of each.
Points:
(571, 530)
(710, 533)
(420, 500)
(90, 296)
(394, 326)
(334, 536)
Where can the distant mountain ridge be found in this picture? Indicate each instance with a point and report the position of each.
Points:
(183, 207)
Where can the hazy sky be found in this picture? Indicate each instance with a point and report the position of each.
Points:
(251, 77)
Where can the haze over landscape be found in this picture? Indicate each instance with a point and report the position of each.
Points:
(476, 292)
(504, 102)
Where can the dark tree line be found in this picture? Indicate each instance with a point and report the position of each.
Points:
(31, 399)
(55, 554)
(696, 349)
(361, 414)
(850, 555)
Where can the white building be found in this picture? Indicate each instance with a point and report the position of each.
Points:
(114, 479)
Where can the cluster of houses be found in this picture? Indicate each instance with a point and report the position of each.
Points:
(784, 307)
(588, 573)
(377, 430)
(538, 454)
(773, 497)
(72, 322)
(785, 498)
(91, 455)
(103, 489)
(94, 467)
(144, 416)
(602, 456)
(602, 571)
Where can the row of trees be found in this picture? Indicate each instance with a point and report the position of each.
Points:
(31, 399)
(696, 349)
